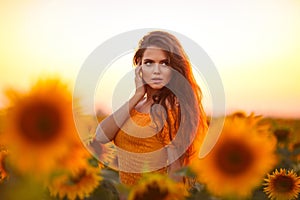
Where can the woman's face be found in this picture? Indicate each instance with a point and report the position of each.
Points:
(156, 71)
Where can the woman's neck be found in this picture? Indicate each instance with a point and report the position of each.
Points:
(150, 93)
(145, 104)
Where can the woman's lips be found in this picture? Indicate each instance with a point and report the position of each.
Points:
(157, 80)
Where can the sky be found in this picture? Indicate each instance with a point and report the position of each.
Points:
(254, 45)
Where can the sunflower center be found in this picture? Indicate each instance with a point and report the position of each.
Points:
(233, 158)
(152, 191)
(74, 180)
(40, 122)
(283, 184)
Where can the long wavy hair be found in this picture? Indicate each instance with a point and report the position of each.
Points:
(190, 119)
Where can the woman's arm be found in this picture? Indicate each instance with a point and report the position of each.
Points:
(108, 127)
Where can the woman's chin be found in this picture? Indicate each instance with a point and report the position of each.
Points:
(156, 86)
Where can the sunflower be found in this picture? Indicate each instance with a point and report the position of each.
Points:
(39, 127)
(80, 183)
(243, 154)
(104, 153)
(158, 187)
(282, 185)
(283, 135)
(77, 158)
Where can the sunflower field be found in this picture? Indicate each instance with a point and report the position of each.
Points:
(42, 156)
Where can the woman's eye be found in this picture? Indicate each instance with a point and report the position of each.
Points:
(164, 64)
(148, 64)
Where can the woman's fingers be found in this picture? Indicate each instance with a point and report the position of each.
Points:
(140, 88)
(138, 72)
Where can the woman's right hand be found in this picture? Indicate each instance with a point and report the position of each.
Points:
(140, 89)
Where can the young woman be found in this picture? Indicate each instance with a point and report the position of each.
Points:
(161, 127)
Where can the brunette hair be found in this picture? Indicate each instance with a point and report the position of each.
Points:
(190, 118)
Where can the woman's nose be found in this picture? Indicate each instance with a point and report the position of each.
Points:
(156, 69)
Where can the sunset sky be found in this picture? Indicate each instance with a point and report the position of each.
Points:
(255, 45)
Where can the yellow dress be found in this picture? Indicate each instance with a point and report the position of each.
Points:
(139, 149)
